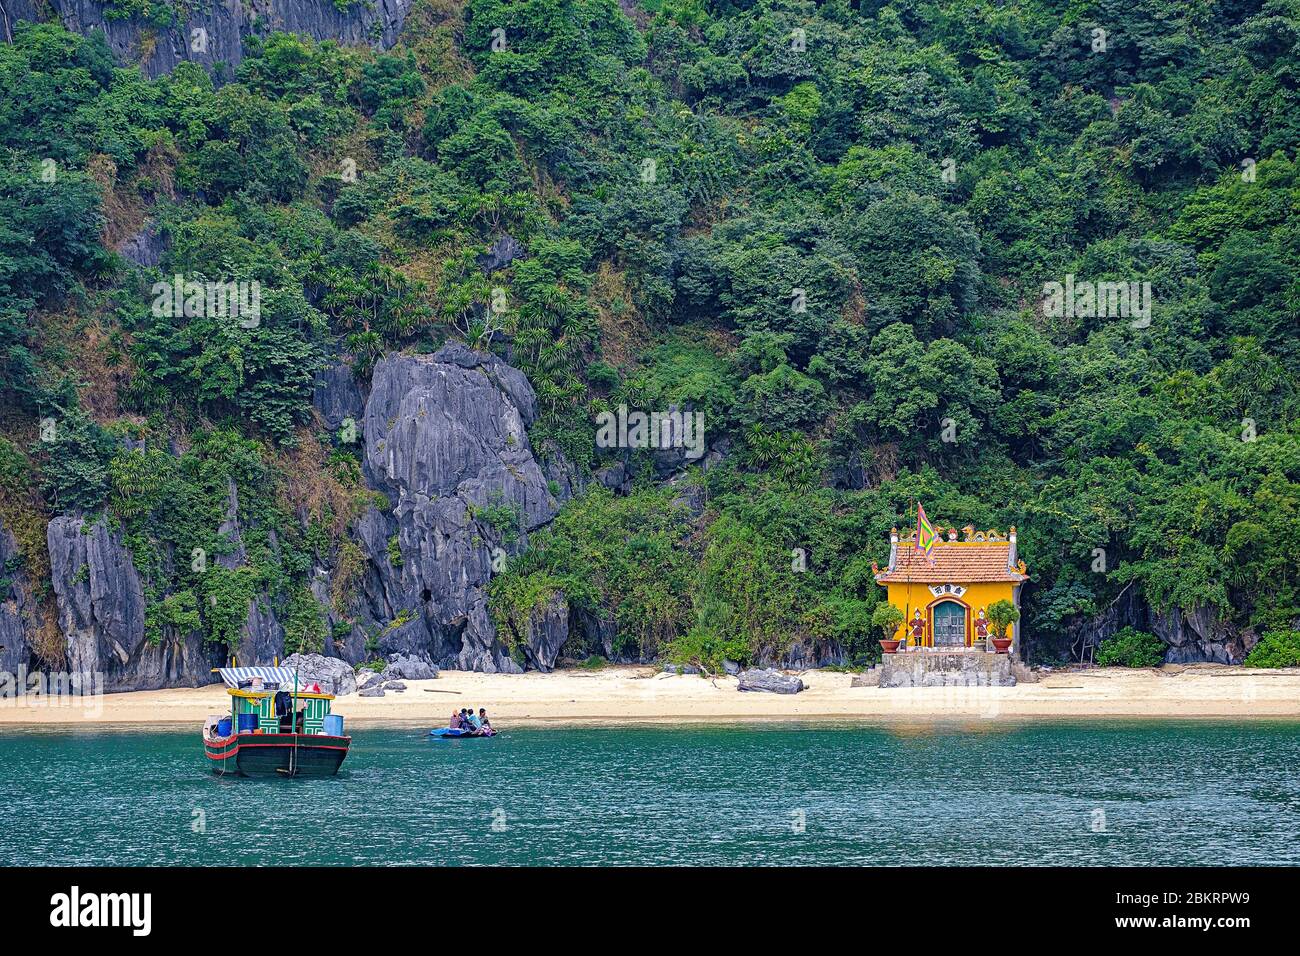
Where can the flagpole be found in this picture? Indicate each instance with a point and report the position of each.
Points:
(907, 601)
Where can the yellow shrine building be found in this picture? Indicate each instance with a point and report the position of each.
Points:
(942, 596)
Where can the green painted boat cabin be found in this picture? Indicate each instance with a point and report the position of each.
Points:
(253, 690)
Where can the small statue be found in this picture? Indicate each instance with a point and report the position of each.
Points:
(917, 624)
(981, 627)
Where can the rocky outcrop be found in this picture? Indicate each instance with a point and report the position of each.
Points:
(547, 630)
(769, 681)
(101, 608)
(145, 247)
(215, 32)
(505, 250)
(337, 397)
(446, 441)
(402, 667)
(334, 676)
(597, 631)
(16, 611)
(1199, 635)
(806, 654)
(1194, 636)
(261, 639)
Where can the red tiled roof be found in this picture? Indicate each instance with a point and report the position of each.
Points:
(955, 562)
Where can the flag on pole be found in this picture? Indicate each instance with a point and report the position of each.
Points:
(925, 536)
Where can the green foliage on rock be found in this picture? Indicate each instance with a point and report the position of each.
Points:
(1275, 649)
(1130, 647)
(837, 254)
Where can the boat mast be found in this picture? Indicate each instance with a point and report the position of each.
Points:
(293, 722)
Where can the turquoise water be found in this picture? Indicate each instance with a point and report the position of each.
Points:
(992, 793)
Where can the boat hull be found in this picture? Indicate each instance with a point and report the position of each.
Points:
(446, 733)
(276, 755)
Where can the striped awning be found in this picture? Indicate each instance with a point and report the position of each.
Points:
(279, 675)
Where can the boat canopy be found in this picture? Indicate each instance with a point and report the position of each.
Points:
(278, 675)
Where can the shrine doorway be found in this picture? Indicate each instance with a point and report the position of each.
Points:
(948, 624)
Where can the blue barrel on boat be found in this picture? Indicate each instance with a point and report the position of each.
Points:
(223, 727)
(247, 723)
(334, 725)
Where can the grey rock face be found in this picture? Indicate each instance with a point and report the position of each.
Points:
(616, 477)
(548, 629)
(101, 607)
(394, 685)
(334, 676)
(804, 654)
(1194, 635)
(446, 440)
(262, 637)
(500, 254)
(1198, 635)
(337, 397)
(145, 248)
(598, 631)
(368, 678)
(562, 476)
(408, 667)
(769, 681)
(374, 690)
(15, 609)
(215, 32)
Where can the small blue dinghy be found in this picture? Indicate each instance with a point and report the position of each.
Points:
(446, 733)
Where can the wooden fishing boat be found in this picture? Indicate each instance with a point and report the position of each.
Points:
(276, 728)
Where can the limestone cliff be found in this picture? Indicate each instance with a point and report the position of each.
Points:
(446, 440)
(16, 617)
(101, 609)
(215, 32)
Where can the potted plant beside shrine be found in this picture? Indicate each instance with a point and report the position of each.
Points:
(1002, 614)
(887, 619)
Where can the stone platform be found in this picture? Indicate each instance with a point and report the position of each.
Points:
(930, 668)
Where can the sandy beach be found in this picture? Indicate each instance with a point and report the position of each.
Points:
(632, 694)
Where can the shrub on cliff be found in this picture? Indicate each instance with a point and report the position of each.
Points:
(1131, 648)
(1276, 649)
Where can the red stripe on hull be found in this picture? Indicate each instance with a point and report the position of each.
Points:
(304, 754)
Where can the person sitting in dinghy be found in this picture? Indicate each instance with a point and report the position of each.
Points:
(455, 722)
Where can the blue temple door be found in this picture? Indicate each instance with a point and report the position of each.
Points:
(949, 625)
